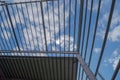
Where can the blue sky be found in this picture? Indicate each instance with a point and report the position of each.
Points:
(29, 25)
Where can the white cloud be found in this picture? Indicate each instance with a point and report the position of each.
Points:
(58, 42)
(97, 50)
(67, 42)
(103, 20)
(17, 18)
(95, 5)
(37, 31)
(115, 23)
(115, 63)
(36, 37)
(26, 54)
(102, 25)
(114, 35)
(115, 19)
(114, 58)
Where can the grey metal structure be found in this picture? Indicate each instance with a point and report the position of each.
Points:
(87, 70)
(46, 50)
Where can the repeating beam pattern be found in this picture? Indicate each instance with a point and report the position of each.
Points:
(53, 28)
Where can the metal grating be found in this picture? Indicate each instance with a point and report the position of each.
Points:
(42, 68)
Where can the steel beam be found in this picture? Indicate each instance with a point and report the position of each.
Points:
(12, 26)
(36, 51)
(105, 36)
(87, 70)
(116, 71)
(101, 76)
(11, 3)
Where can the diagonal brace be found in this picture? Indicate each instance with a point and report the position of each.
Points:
(87, 70)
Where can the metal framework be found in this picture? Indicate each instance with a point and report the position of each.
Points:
(48, 38)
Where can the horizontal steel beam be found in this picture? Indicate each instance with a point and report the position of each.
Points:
(27, 57)
(87, 70)
(12, 3)
(36, 51)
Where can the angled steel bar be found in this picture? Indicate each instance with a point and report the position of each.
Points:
(101, 76)
(2, 19)
(87, 70)
(13, 33)
(39, 24)
(89, 26)
(20, 41)
(54, 22)
(106, 35)
(96, 24)
(21, 24)
(79, 30)
(41, 6)
(6, 6)
(85, 17)
(80, 24)
(17, 26)
(116, 70)
(5, 40)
